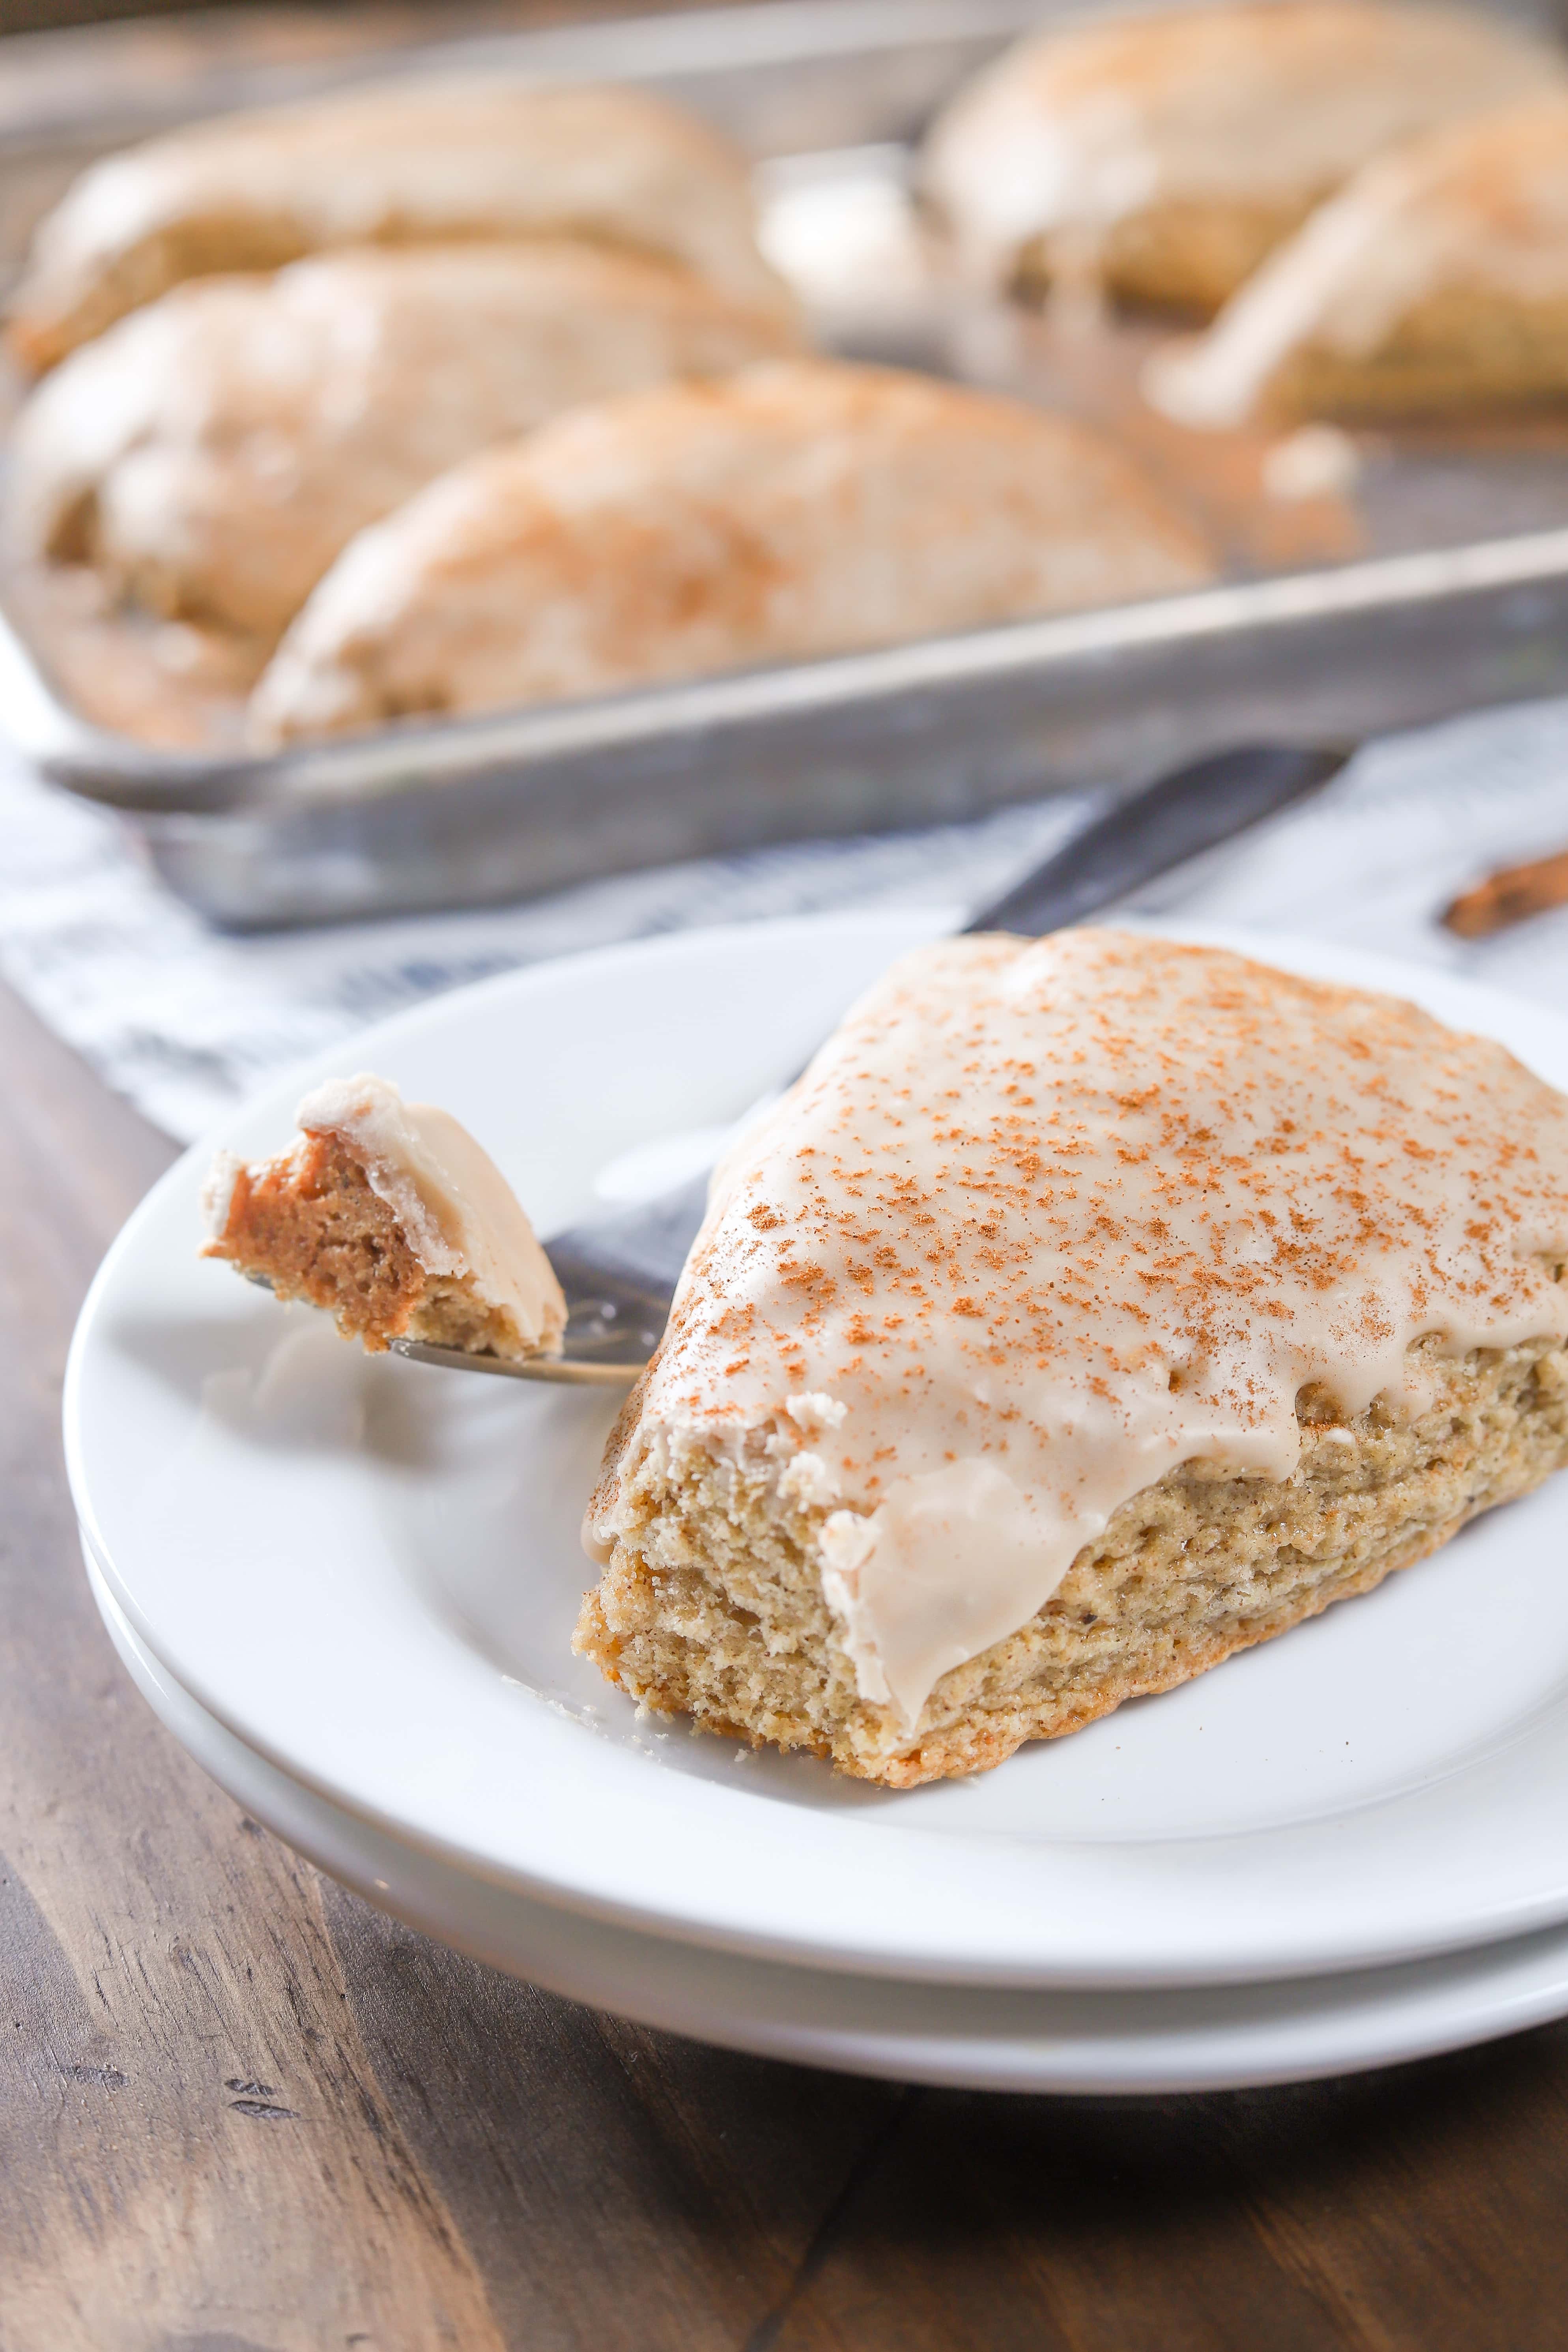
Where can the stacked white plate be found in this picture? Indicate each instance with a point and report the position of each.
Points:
(349, 1585)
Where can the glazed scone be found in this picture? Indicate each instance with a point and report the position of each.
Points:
(390, 1216)
(1092, 1308)
(1436, 284)
(215, 451)
(798, 509)
(400, 164)
(1162, 156)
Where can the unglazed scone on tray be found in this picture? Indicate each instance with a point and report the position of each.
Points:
(1435, 284)
(1161, 156)
(798, 509)
(406, 164)
(1091, 1310)
(213, 452)
(389, 1215)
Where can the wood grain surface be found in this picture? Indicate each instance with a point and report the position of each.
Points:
(241, 2111)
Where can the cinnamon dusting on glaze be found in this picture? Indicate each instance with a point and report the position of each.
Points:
(1045, 1219)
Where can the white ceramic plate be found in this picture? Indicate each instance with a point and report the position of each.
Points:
(1202, 2039)
(368, 1572)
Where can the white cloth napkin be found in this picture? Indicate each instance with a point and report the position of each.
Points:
(186, 1021)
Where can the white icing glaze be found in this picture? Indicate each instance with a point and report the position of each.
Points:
(1480, 209)
(1084, 125)
(491, 157)
(217, 1191)
(1043, 1221)
(797, 508)
(1316, 461)
(234, 434)
(457, 1210)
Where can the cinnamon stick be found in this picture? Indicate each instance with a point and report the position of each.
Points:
(1510, 895)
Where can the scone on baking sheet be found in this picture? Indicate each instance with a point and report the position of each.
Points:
(1161, 156)
(399, 164)
(797, 508)
(213, 452)
(1091, 1310)
(1436, 284)
(390, 1216)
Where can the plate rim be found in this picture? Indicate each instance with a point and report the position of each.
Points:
(1532, 1990)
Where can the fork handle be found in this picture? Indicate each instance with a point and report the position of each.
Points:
(630, 1260)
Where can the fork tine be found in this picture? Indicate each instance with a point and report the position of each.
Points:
(565, 1370)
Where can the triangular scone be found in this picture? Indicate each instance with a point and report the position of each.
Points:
(407, 164)
(389, 1215)
(1091, 1310)
(212, 453)
(1435, 284)
(1163, 156)
(797, 508)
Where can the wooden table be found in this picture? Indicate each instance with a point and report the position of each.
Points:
(240, 2112)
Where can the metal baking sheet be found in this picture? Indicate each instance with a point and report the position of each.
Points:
(1444, 586)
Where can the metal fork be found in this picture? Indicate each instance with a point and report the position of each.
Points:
(619, 1272)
